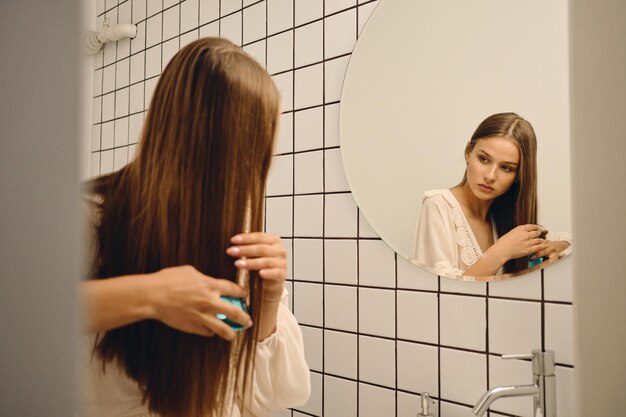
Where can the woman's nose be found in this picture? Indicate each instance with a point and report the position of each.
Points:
(490, 174)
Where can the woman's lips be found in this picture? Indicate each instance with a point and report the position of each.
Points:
(485, 188)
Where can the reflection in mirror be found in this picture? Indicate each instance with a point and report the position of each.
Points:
(486, 206)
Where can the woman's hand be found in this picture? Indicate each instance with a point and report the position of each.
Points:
(265, 253)
(187, 300)
(521, 241)
(553, 250)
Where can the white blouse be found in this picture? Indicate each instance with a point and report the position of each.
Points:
(444, 241)
(281, 377)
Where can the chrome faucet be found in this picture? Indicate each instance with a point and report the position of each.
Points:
(543, 390)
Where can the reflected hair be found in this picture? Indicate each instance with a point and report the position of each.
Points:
(204, 152)
(518, 205)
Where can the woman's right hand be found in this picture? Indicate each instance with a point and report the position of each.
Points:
(521, 241)
(187, 300)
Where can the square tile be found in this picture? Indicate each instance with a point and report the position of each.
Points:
(417, 368)
(284, 83)
(565, 391)
(340, 216)
(340, 261)
(463, 376)
(123, 48)
(462, 287)
(340, 34)
(377, 361)
(413, 277)
(334, 174)
(169, 49)
(279, 15)
(284, 134)
(377, 312)
(94, 167)
(110, 53)
(278, 215)
(257, 51)
(108, 79)
(108, 135)
(189, 15)
(132, 151)
(209, 11)
(309, 84)
(153, 61)
(154, 6)
(280, 52)
(230, 28)
(106, 162)
(108, 107)
(134, 127)
(559, 328)
(136, 98)
(138, 10)
(463, 321)
(309, 172)
(137, 66)
(211, 29)
(120, 157)
(455, 410)
(254, 23)
(514, 326)
(307, 11)
(331, 125)
(309, 44)
(340, 397)
(340, 303)
(122, 73)
(309, 128)
(187, 38)
(376, 401)
(171, 23)
(376, 264)
(308, 259)
(313, 347)
(307, 303)
(149, 87)
(121, 132)
(96, 86)
(340, 354)
(280, 176)
(229, 6)
(121, 102)
(335, 71)
(154, 27)
(309, 214)
(526, 286)
(95, 138)
(559, 280)
(417, 316)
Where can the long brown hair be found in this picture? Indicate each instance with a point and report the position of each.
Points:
(205, 150)
(519, 204)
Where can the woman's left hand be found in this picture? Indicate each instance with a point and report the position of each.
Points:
(265, 253)
(554, 249)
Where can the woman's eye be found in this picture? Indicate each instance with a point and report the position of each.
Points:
(507, 168)
(482, 159)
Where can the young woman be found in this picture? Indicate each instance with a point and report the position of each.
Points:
(487, 224)
(170, 222)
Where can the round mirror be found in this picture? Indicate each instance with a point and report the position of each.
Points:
(422, 77)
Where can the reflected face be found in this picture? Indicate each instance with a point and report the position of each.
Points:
(492, 167)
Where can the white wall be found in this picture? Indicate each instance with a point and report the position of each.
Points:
(378, 331)
(40, 249)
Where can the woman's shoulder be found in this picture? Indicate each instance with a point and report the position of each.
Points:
(441, 197)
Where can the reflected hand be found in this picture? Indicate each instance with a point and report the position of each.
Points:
(553, 249)
(187, 300)
(521, 241)
(265, 253)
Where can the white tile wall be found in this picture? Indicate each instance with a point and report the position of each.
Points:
(352, 294)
